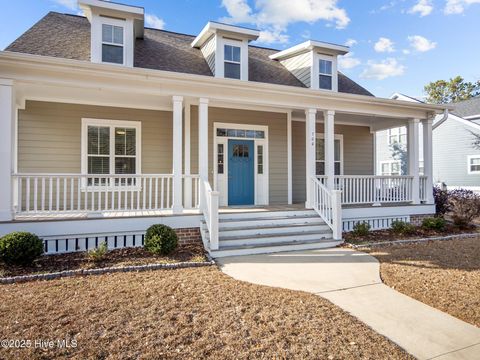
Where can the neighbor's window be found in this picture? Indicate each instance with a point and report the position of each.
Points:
(474, 164)
(397, 136)
(391, 168)
(111, 150)
(320, 156)
(232, 61)
(326, 74)
(112, 44)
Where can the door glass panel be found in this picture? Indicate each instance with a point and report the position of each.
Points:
(220, 159)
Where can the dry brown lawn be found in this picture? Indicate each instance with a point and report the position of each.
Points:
(187, 313)
(442, 274)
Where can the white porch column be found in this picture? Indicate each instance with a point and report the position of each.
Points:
(289, 157)
(413, 157)
(7, 116)
(188, 181)
(428, 158)
(310, 138)
(329, 134)
(177, 154)
(202, 146)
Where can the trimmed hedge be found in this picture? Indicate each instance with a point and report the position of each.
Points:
(20, 248)
(161, 239)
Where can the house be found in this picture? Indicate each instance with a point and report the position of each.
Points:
(456, 161)
(108, 127)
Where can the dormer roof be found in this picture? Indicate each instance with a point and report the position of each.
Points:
(236, 32)
(311, 45)
(115, 10)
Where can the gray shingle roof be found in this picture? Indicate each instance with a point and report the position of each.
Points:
(467, 107)
(68, 36)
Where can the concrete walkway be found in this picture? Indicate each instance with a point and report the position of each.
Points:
(351, 280)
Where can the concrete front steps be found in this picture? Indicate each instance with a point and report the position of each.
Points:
(250, 232)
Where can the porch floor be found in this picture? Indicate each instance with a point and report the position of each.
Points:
(186, 212)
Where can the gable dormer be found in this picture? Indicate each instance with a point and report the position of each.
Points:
(114, 28)
(314, 63)
(225, 48)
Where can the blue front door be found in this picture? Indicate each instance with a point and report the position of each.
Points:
(241, 174)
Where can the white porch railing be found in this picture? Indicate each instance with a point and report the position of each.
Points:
(370, 189)
(74, 193)
(210, 212)
(423, 188)
(194, 182)
(328, 205)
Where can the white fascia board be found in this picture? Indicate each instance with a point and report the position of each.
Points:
(401, 97)
(107, 5)
(214, 27)
(460, 120)
(311, 45)
(28, 67)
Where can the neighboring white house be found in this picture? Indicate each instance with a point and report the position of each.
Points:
(456, 162)
(107, 127)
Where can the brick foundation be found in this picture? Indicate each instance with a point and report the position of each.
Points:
(187, 236)
(417, 219)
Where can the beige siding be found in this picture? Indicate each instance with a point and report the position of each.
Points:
(277, 141)
(49, 136)
(208, 51)
(357, 153)
(300, 67)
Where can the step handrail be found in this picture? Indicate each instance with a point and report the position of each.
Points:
(210, 213)
(328, 205)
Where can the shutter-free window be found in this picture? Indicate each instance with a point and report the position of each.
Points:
(320, 156)
(112, 44)
(326, 74)
(232, 61)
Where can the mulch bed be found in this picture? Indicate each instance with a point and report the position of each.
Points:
(113, 258)
(419, 233)
(181, 314)
(442, 274)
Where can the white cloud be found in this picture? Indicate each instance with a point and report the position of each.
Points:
(423, 7)
(406, 51)
(274, 16)
(69, 4)
(458, 6)
(271, 37)
(350, 42)
(421, 44)
(384, 69)
(154, 21)
(348, 61)
(384, 45)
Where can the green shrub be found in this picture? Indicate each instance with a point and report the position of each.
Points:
(161, 239)
(98, 254)
(434, 223)
(402, 227)
(20, 248)
(361, 229)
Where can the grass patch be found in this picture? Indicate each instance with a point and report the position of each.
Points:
(442, 274)
(113, 258)
(182, 314)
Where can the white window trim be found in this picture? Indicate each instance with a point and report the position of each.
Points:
(86, 122)
(113, 22)
(469, 165)
(397, 132)
(336, 137)
(238, 44)
(315, 71)
(390, 163)
(325, 58)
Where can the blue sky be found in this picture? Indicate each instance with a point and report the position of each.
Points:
(397, 45)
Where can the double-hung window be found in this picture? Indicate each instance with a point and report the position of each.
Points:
(113, 44)
(232, 61)
(397, 136)
(110, 147)
(325, 80)
(391, 168)
(474, 164)
(338, 155)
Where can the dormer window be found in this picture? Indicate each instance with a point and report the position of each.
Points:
(113, 44)
(232, 61)
(325, 74)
